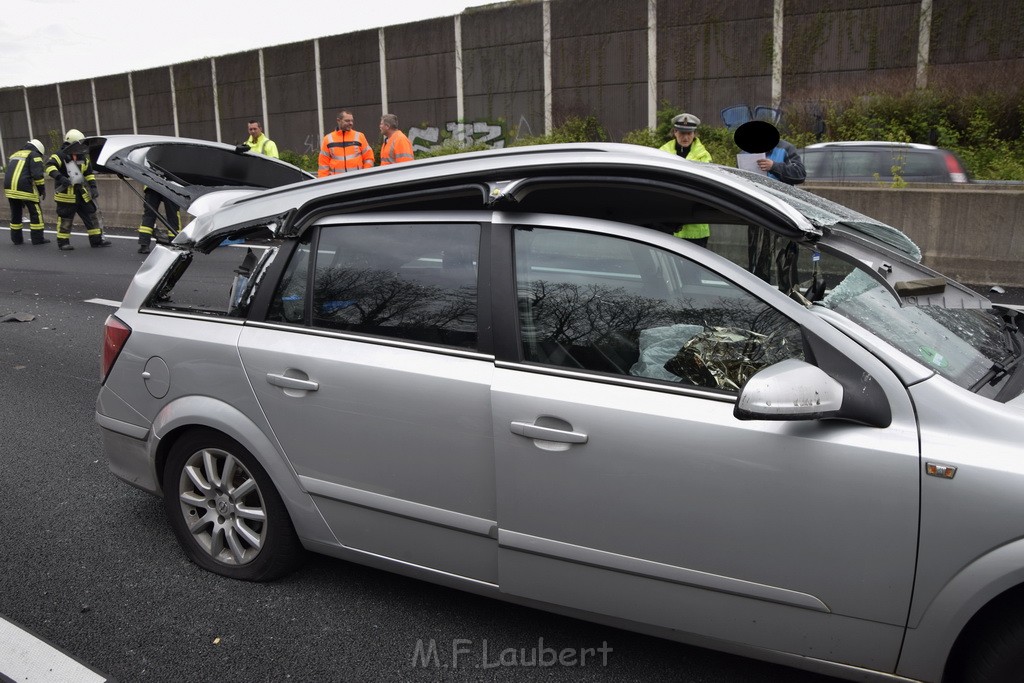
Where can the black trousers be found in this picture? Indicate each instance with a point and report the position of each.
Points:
(66, 212)
(35, 214)
(150, 205)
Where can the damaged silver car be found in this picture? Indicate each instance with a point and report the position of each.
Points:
(500, 372)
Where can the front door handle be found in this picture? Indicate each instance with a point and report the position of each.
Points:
(292, 382)
(532, 431)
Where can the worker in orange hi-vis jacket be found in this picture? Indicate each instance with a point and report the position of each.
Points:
(344, 149)
(396, 148)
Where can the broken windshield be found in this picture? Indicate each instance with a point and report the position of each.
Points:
(824, 213)
(969, 346)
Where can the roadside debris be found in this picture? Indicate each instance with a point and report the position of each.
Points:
(17, 318)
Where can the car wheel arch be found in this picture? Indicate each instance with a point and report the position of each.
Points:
(186, 414)
(978, 632)
(977, 589)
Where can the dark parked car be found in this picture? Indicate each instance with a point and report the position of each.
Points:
(885, 162)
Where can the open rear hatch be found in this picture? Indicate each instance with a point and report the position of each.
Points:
(183, 170)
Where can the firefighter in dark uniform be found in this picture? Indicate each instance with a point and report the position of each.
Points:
(150, 206)
(76, 191)
(25, 188)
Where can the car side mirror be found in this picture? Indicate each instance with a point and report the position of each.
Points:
(789, 390)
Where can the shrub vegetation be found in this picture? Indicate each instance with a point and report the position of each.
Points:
(984, 130)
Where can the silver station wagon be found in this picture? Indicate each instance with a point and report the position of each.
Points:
(500, 372)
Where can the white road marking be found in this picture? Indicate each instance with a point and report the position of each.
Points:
(82, 234)
(23, 657)
(104, 302)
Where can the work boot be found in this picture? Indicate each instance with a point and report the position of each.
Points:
(16, 236)
(144, 249)
(39, 238)
(98, 241)
(64, 244)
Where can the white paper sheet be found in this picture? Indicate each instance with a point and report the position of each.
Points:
(748, 162)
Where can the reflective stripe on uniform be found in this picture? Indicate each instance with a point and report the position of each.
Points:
(339, 155)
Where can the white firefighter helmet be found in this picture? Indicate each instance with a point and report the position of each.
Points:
(73, 135)
(38, 145)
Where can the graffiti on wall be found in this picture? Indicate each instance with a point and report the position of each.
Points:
(312, 145)
(428, 138)
(475, 133)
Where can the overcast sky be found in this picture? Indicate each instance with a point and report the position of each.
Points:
(49, 41)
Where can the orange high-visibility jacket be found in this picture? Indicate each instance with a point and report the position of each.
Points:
(396, 149)
(343, 151)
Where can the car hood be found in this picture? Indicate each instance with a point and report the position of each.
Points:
(183, 170)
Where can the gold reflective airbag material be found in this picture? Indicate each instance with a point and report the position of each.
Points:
(726, 357)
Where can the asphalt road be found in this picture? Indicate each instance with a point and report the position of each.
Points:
(90, 565)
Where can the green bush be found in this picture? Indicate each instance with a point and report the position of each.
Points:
(984, 130)
(574, 129)
(307, 162)
(660, 134)
(451, 146)
(719, 143)
(647, 137)
(717, 139)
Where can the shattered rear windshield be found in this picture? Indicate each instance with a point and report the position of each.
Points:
(218, 284)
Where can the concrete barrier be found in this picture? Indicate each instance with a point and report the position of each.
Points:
(972, 233)
(121, 207)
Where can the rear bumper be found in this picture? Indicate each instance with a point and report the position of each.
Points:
(128, 454)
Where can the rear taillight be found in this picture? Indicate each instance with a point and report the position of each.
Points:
(956, 172)
(115, 334)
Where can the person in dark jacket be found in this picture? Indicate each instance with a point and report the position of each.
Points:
(151, 201)
(25, 188)
(782, 162)
(76, 193)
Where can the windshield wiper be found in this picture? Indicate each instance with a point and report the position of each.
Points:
(1002, 368)
(996, 373)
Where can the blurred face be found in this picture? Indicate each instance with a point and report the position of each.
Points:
(254, 130)
(346, 121)
(385, 129)
(685, 137)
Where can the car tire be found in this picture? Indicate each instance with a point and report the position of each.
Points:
(993, 651)
(225, 511)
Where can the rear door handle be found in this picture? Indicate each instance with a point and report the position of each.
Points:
(292, 382)
(532, 431)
